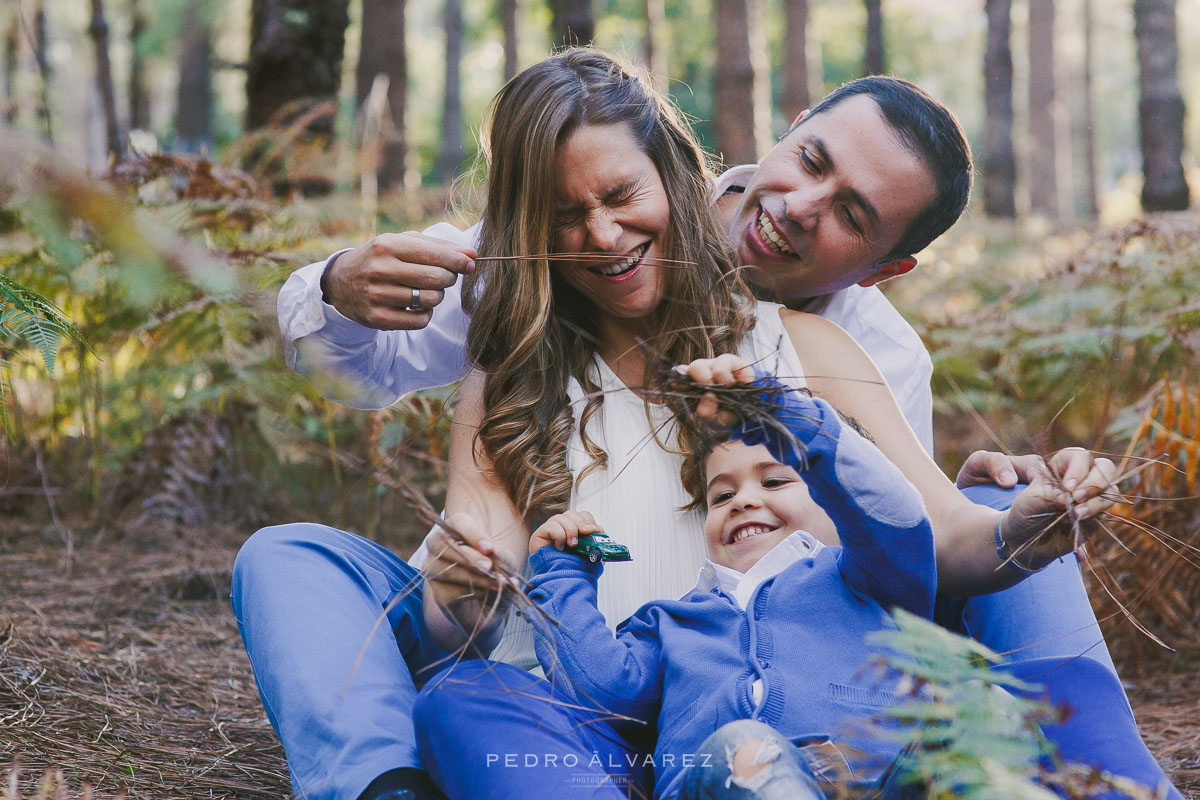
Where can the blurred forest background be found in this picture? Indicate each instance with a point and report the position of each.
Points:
(165, 164)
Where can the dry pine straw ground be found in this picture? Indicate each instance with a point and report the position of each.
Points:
(125, 670)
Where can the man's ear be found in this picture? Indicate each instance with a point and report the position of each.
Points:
(799, 118)
(892, 269)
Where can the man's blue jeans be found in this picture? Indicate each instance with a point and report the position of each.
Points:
(1046, 615)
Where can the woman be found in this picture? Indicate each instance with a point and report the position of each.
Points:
(556, 414)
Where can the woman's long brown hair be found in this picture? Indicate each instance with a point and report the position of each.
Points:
(531, 332)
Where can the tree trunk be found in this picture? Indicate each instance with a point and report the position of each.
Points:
(98, 30)
(654, 50)
(512, 49)
(741, 107)
(139, 99)
(12, 55)
(40, 50)
(194, 98)
(796, 95)
(296, 49)
(873, 62)
(572, 22)
(450, 155)
(1044, 189)
(1091, 199)
(383, 52)
(999, 161)
(1160, 108)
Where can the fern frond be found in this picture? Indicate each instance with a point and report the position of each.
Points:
(26, 315)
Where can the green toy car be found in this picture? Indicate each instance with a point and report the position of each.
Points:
(599, 547)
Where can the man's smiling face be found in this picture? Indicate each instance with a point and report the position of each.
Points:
(829, 203)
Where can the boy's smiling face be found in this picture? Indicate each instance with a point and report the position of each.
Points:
(754, 503)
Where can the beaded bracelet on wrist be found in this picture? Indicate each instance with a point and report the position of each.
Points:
(1006, 557)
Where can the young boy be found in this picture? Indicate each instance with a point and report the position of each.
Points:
(774, 630)
(800, 570)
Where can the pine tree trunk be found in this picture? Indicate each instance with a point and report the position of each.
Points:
(12, 55)
(512, 51)
(795, 96)
(450, 155)
(139, 99)
(1091, 199)
(40, 50)
(383, 52)
(873, 62)
(741, 109)
(194, 96)
(98, 30)
(296, 49)
(1044, 197)
(654, 51)
(999, 161)
(572, 22)
(1160, 108)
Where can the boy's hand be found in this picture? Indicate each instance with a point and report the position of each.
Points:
(1064, 499)
(563, 530)
(724, 370)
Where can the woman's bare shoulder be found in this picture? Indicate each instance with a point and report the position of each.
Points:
(802, 326)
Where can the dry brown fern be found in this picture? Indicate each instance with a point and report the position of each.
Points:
(1154, 570)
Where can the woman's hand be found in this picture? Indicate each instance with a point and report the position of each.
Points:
(563, 530)
(464, 576)
(1059, 509)
(724, 370)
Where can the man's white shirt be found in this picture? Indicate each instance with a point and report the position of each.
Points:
(366, 368)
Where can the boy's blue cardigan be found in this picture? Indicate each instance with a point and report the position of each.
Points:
(688, 665)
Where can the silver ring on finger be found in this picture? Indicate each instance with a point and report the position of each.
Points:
(415, 305)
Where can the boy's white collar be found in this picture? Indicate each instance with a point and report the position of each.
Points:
(800, 544)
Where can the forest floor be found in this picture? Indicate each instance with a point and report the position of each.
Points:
(124, 669)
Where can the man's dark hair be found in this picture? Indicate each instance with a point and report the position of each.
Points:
(931, 132)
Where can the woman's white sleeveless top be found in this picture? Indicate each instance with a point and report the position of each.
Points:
(637, 498)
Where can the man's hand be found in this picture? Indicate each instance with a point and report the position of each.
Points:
(986, 466)
(374, 283)
(1060, 507)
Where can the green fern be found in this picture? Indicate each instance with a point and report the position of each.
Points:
(968, 732)
(27, 316)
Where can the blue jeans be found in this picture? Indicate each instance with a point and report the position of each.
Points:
(1045, 615)
(491, 730)
(333, 626)
(1096, 733)
(787, 771)
(1100, 730)
(339, 685)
